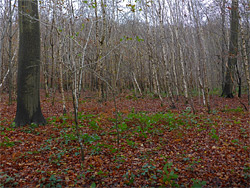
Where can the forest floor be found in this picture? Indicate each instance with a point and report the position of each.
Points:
(158, 147)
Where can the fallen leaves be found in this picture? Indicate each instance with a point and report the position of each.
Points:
(214, 148)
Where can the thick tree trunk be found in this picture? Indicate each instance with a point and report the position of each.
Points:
(233, 51)
(28, 79)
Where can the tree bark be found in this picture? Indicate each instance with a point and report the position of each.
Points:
(233, 51)
(61, 75)
(10, 84)
(204, 61)
(179, 45)
(245, 60)
(164, 53)
(223, 41)
(28, 78)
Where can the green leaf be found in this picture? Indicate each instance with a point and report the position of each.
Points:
(138, 39)
(9, 179)
(83, 26)
(52, 177)
(93, 185)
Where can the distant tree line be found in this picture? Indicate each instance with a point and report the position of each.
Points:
(168, 48)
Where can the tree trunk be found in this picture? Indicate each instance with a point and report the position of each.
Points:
(245, 60)
(204, 62)
(60, 59)
(28, 78)
(2, 36)
(45, 69)
(164, 53)
(223, 42)
(180, 48)
(233, 51)
(10, 84)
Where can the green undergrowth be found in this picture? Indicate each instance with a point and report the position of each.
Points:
(147, 134)
(131, 127)
(227, 109)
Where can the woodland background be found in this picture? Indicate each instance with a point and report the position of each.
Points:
(147, 76)
(169, 48)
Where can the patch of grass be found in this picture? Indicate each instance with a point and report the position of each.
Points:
(53, 181)
(31, 129)
(129, 178)
(215, 91)
(192, 165)
(246, 171)
(7, 143)
(227, 109)
(169, 175)
(131, 96)
(119, 158)
(198, 183)
(145, 122)
(214, 135)
(6, 180)
(148, 169)
(131, 143)
(235, 141)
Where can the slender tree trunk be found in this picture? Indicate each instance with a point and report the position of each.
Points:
(102, 64)
(83, 61)
(245, 61)
(204, 51)
(99, 43)
(136, 83)
(197, 65)
(45, 68)
(4, 31)
(52, 53)
(1, 46)
(174, 66)
(164, 53)
(10, 83)
(223, 42)
(61, 75)
(205, 63)
(150, 59)
(182, 65)
(175, 30)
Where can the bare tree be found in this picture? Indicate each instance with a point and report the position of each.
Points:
(3, 32)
